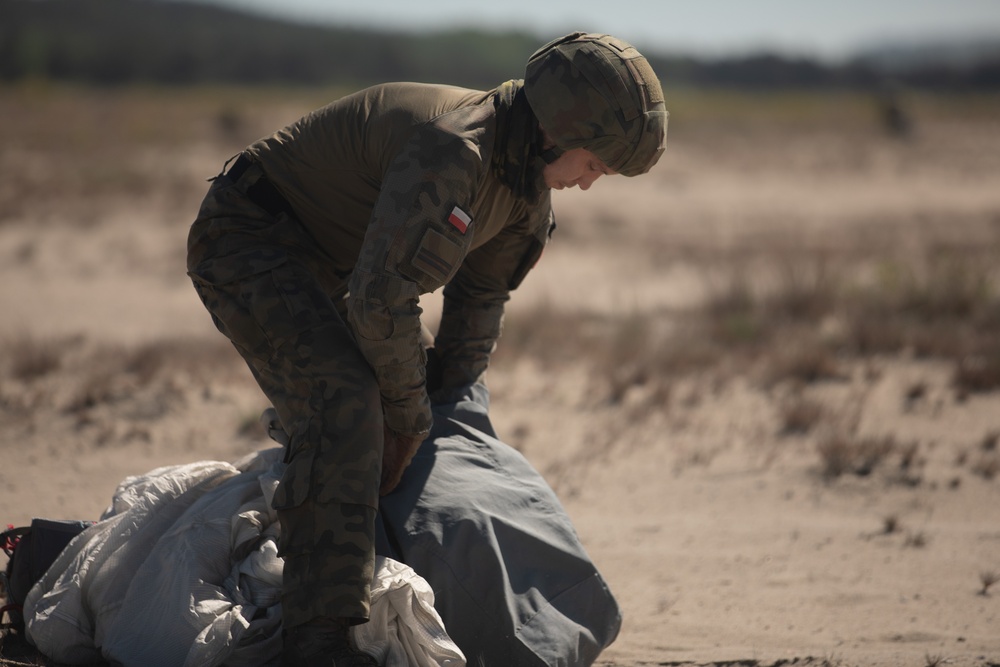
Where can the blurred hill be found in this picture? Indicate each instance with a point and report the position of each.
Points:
(113, 42)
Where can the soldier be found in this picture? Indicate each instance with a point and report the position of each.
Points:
(311, 252)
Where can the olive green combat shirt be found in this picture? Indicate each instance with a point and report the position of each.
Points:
(395, 184)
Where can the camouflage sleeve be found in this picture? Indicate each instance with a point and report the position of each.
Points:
(417, 237)
(472, 317)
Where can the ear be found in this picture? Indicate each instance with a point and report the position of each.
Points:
(547, 142)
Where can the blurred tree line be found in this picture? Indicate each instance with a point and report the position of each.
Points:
(114, 42)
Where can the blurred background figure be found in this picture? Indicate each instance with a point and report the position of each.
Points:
(893, 112)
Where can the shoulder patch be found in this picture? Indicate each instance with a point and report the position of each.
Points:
(438, 257)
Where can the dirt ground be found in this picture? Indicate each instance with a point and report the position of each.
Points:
(708, 490)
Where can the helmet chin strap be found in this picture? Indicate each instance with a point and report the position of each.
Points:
(550, 152)
(550, 155)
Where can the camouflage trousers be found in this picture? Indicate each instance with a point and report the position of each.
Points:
(257, 277)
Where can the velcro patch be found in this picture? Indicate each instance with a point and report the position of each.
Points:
(437, 256)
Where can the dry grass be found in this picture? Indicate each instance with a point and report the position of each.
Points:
(987, 459)
(943, 305)
(934, 660)
(916, 540)
(990, 441)
(800, 416)
(145, 380)
(805, 363)
(779, 334)
(978, 368)
(803, 328)
(30, 358)
(987, 466)
(987, 578)
(843, 454)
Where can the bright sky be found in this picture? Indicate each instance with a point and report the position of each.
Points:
(826, 29)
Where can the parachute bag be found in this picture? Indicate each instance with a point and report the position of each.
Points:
(31, 550)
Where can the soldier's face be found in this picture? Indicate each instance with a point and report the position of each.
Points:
(576, 167)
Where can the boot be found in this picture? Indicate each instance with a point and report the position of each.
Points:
(322, 642)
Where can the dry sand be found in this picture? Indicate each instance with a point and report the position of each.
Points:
(718, 533)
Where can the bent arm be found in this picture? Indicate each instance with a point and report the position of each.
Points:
(474, 301)
(410, 248)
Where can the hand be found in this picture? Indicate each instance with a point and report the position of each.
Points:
(396, 456)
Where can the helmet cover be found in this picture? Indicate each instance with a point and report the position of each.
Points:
(599, 93)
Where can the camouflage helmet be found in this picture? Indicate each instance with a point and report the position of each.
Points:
(599, 93)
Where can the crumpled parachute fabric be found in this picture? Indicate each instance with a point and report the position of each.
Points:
(183, 569)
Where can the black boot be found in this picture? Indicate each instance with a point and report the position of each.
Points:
(322, 642)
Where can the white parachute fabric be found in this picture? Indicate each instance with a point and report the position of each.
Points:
(183, 569)
(405, 629)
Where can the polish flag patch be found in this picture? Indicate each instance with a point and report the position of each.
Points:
(459, 219)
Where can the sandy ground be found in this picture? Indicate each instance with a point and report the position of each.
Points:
(716, 529)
